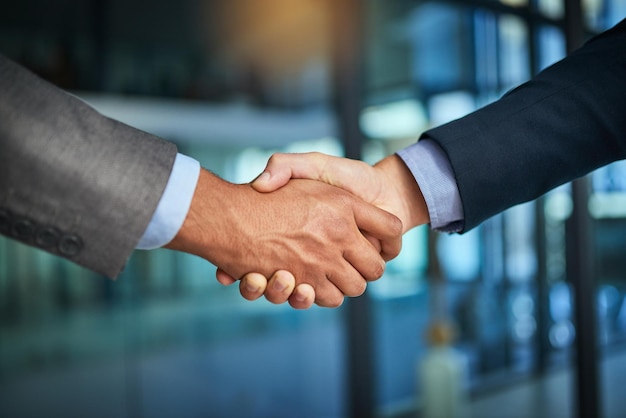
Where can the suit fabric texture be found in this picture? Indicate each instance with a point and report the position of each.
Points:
(73, 182)
(567, 121)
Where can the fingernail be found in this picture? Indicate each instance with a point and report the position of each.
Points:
(252, 288)
(300, 297)
(279, 286)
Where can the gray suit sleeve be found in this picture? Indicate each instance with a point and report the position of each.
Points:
(73, 182)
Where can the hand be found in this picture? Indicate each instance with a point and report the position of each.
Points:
(308, 228)
(389, 184)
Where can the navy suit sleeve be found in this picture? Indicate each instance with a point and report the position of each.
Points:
(567, 121)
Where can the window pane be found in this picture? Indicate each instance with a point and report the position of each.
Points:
(554, 9)
(602, 14)
(513, 51)
(551, 46)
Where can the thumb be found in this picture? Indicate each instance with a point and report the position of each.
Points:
(272, 178)
(283, 167)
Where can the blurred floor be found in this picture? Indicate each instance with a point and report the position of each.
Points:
(171, 385)
(221, 382)
(265, 372)
(551, 395)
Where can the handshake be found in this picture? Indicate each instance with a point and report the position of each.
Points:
(310, 229)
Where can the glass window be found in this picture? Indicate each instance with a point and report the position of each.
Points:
(602, 14)
(551, 46)
(553, 9)
(440, 42)
(513, 51)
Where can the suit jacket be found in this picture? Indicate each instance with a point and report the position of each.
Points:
(567, 121)
(73, 182)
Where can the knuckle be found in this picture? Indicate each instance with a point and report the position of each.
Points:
(379, 270)
(336, 301)
(359, 288)
(390, 255)
(395, 226)
(354, 287)
(276, 158)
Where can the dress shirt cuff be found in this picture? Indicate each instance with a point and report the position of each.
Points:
(174, 204)
(432, 171)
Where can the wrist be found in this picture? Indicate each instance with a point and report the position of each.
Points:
(221, 224)
(409, 202)
(200, 230)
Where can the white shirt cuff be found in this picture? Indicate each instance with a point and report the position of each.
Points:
(434, 175)
(174, 204)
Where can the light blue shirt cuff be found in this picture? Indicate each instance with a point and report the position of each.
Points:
(174, 204)
(432, 171)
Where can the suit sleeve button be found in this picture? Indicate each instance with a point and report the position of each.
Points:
(70, 245)
(47, 237)
(23, 229)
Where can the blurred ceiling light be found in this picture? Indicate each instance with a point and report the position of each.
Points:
(275, 38)
(515, 3)
(401, 119)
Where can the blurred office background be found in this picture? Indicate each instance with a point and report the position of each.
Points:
(231, 82)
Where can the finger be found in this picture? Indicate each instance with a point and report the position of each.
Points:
(381, 225)
(334, 302)
(283, 167)
(224, 278)
(328, 295)
(365, 259)
(302, 297)
(374, 241)
(347, 279)
(252, 286)
(280, 287)
(376, 244)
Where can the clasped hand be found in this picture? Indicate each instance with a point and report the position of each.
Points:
(324, 242)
